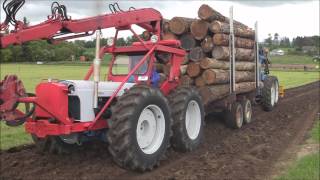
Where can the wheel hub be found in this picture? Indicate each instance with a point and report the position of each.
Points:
(193, 119)
(150, 129)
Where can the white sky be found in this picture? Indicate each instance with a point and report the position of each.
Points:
(288, 18)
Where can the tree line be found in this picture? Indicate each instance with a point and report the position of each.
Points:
(65, 51)
(296, 44)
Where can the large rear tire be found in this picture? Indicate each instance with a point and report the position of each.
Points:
(188, 119)
(139, 131)
(270, 93)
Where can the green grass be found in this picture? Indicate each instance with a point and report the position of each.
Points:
(32, 74)
(290, 79)
(292, 59)
(307, 167)
(13, 136)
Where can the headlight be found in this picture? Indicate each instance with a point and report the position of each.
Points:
(110, 42)
(154, 38)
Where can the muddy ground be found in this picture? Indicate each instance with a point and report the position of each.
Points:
(248, 153)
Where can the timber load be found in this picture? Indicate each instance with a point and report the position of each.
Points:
(206, 65)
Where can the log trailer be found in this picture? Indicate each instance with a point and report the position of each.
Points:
(136, 115)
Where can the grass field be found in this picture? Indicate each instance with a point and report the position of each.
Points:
(32, 74)
(307, 167)
(292, 59)
(290, 79)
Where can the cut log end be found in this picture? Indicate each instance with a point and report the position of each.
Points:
(199, 29)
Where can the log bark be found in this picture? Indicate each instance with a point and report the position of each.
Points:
(199, 81)
(222, 27)
(207, 44)
(245, 87)
(162, 68)
(209, 63)
(187, 41)
(196, 54)
(199, 29)
(241, 54)
(186, 80)
(216, 76)
(180, 25)
(169, 35)
(223, 40)
(207, 13)
(193, 69)
(215, 92)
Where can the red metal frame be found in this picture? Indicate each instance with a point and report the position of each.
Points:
(52, 98)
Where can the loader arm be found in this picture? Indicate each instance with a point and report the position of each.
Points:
(56, 28)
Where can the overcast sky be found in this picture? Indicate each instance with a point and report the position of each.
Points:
(287, 17)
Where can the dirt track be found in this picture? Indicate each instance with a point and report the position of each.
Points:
(248, 153)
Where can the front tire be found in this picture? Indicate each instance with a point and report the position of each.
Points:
(188, 119)
(139, 128)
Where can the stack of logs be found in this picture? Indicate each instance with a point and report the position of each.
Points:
(206, 41)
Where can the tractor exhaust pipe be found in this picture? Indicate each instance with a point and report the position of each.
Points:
(96, 71)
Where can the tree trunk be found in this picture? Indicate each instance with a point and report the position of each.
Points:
(216, 76)
(169, 35)
(223, 40)
(213, 93)
(200, 81)
(196, 54)
(208, 63)
(186, 80)
(199, 29)
(245, 87)
(222, 27)
(207, 13)
(223, 53)
(193, 69)
(180, 25)
(187, 41)
(216, 92)
(207, 44)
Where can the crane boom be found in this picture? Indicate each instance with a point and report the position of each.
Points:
(54, 27)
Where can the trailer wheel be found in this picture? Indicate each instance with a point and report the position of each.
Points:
(247, 111)
(139, 131)
(53, 145)
(270, 93)
(234, 117)
(188, 118)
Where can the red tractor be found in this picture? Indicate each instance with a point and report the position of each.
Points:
(138, 115)
(132, 111)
